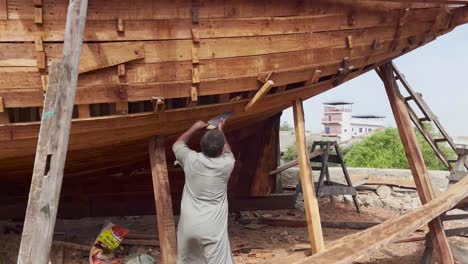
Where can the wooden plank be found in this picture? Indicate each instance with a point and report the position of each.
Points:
(293, 163)
(350, 247)
(162, 196)
(180, 50)
(45, 202)
(392, 181)
(260, 93)
(102, 132)
(415, 159)
(40, 164)
(310, 200)
(153, 29)
(290, 221)
(142, 10)
(297, 65)
(109, 54)
(41, 60)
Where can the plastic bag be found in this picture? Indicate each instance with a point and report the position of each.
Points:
(105, 244)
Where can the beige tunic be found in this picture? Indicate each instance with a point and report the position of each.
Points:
(202, 235)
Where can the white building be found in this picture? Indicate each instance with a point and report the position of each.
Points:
(341, 125)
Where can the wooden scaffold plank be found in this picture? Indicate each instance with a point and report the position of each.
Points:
(415, 159)
(52, 146)
(348, 248)
(162, 196)
(310, 199)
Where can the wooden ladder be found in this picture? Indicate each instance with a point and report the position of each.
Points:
(428, 116)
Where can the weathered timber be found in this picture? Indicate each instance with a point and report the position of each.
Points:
(40, 165)
(262, 182)
(45, 199)
(348, 248)
(162, 196)
(415, 159)
(310, 200)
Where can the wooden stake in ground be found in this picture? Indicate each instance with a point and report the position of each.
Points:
(310, 200)
(162, 197)
(53, 144)
(415, 159)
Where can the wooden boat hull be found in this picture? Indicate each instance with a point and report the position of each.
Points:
(203, 59)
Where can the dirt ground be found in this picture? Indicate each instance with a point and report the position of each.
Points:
(265, 245)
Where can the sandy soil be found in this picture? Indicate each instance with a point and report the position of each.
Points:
(274, 242)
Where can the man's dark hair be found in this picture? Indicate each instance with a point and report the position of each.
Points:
(212, 143)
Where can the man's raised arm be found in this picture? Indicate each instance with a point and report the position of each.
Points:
(185, 137)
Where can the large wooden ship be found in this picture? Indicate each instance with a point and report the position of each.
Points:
(202, 58)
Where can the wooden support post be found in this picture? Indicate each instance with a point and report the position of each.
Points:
(260, 93)
(310, 200)
(415, 159)
(162, 196)
(52, 146)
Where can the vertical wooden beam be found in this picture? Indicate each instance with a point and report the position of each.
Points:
(52, 147)
(263, 183)
(310, 200)
(162, 197)
(4, 119)
(40, 163)
(83, 111)
(415, 159)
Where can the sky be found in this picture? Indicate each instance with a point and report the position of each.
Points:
(438, 70)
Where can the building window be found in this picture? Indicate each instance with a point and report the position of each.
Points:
(345, 130)
(370, 129)
(360, 130)
(327, 130)
(329, 118)
(352, 129)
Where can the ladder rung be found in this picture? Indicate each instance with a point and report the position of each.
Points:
(439, 140)
(452, 161)
(422, 119)
(409, 98)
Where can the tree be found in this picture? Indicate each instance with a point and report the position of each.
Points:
(285, 126)
(384, 149)
(291, 151)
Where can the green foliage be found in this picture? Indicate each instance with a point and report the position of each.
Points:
(384, 149)
(291, 152)
(285, 126)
